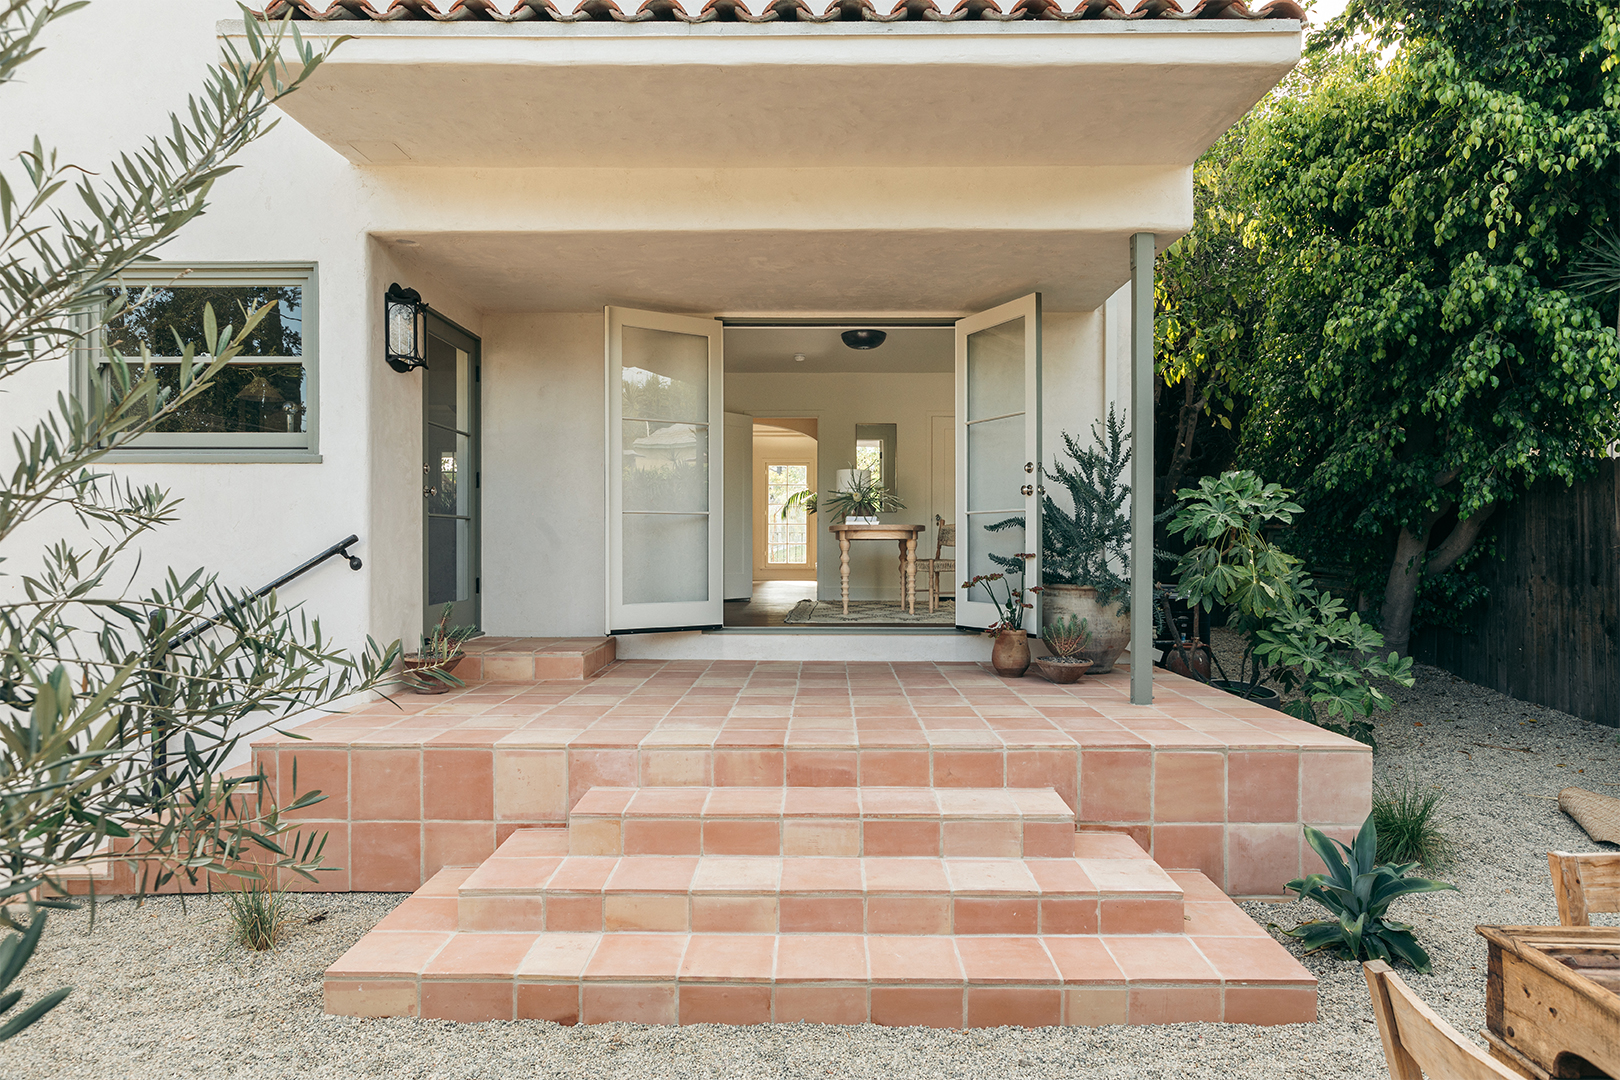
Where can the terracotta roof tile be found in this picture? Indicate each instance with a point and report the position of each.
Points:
(755, 11)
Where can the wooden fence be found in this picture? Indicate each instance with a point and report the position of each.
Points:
(1550, 632)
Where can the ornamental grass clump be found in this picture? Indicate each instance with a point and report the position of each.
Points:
(1357, 890)
(258, 915)
(1411, 823)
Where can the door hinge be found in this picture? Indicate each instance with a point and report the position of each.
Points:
(478, 373)
(478, 585)
(478, 479)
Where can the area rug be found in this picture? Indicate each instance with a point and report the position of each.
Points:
(1598, 814)
(867, 613)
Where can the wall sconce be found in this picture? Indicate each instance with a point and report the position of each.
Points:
(404, 328)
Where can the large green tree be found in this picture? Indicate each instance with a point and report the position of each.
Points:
(1422, 191)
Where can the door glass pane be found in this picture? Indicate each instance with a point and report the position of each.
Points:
(665, 376)
(447, 562)
(666, 466)
(447, 479)
(995, 371)
(786, 539)
(666, 558)
(448, 385)
(995, 464)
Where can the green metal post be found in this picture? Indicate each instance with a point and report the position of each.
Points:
(1142, 468)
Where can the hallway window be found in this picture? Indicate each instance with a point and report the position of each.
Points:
(787, 540)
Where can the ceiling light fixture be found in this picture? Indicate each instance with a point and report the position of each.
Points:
(798, 358)
(864, 339)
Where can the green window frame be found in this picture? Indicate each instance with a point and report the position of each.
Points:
(225, 446)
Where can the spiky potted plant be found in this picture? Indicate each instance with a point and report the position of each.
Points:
(1065, 637)
(429, 670)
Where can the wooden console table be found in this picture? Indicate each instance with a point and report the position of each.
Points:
(1551, 1007)
(906, 535)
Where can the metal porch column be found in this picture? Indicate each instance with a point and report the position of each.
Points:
(1142, 468)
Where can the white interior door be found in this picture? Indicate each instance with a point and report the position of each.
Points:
(739, 506)
(998, 441)
(666, 530)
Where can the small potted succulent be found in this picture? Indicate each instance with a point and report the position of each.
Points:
(1009, 656)
(1066, 637)
(429, 671)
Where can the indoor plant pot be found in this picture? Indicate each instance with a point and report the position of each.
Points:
(427, 684)
(1261, 695)
(1110, 628)
(1062, 670)
(1009, 656)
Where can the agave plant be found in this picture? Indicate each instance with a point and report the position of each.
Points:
(1066, 636)
(1358, 892)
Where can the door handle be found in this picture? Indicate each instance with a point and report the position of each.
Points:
(1029, 466)
(429, 492)
(1027, 490)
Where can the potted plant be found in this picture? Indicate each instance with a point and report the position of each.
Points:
(858, 501)
(429, 670)
(1086, 552)
(1009, 655)
(1065, 637)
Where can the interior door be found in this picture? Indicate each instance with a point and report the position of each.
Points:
(665, 528)
(998, 442)
(450, 476)
(739, 506)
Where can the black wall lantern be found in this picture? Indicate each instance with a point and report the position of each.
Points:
(404, 328)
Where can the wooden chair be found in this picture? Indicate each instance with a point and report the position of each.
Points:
(936, 566)
(1583, 884)
(1417, 1041)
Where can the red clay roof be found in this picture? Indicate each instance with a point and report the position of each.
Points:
(698, 11)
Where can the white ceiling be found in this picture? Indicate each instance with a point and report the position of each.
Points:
(752, 349)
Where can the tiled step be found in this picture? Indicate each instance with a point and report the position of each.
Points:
(824, 821)
(517, 890)
(524, 660)
(1224, 967)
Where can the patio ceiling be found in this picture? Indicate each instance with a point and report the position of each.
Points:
(674, 94)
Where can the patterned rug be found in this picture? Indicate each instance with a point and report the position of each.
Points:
(868, 613)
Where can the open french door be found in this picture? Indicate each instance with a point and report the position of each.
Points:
(998, 450)
(666, 536)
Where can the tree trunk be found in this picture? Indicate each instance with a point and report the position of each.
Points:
(1413, 562)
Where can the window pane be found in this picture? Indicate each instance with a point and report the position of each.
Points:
(167, 311)
(869, 456)
(242, 398)
(665, 376)
(785, 537)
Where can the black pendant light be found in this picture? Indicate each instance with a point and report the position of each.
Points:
(864, 339)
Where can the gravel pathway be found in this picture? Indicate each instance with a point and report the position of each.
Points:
(162, 992)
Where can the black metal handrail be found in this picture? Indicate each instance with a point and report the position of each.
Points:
(339, 548)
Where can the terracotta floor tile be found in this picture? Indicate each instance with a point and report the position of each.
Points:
(744, 802)
(990, 876)
(653, 873)
(1005, 960)
(821, 802)
(481, 955)
(821, 958)
(729, 958)
(906, 876)
(913, 959)
(1224, 919)
(405, 953)
(558, 956)
(1252, 959)
(737, 874)
(667, 802)
(432, 913)
(1160, 959)
(508, 875)
(1083, 960)
(826, 875)
(637, 957)
(583, 873)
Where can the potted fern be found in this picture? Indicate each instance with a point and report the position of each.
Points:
(429, 670)
(1065, 637)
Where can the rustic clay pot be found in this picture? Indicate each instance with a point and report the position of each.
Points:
(1190, 660)
(1010, 654)
(428, 684)
(1062, 672)
(1110, 628)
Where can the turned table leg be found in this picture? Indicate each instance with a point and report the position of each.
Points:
(843, 569)
(911, 576)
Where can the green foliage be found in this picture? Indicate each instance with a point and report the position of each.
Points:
(862, 496)
(258, 913)
(444, 643)
(15, 951)
(1066, 636)
(1092, 544)
(1295, 634)
(1357, 891)
(1012, 602)
(119, 706)
(1411, 823)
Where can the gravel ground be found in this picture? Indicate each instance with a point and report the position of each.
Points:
(162, 992)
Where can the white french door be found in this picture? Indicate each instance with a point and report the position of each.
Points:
(998, 445)
(666, 534)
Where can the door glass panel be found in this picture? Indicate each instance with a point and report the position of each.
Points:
(995, 371)
(448, 481)
(666, 558)
(665, 376)
(666, 466)
(995, 465)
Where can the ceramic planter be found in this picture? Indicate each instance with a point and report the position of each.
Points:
(427, 684)
(1009, 656)
(1262, 695)
(1062, 672)
(1110, 628)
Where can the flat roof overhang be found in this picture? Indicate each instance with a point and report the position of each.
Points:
(787, 94)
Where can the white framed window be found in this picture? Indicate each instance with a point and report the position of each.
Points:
(264, 405)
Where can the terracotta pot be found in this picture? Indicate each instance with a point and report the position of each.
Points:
(427, 684)
(1010, 654)
(1191, 660)
(1110, 627)
(1060, 671)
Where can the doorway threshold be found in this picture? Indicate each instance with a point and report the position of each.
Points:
(796, 643)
